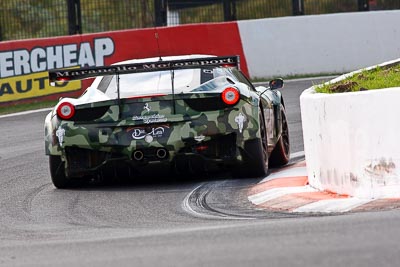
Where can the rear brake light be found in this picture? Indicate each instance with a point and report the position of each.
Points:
(230, 96)
(201, 148)
(65, 110)
(63, 79)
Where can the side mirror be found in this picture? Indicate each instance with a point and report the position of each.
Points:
(276, 84)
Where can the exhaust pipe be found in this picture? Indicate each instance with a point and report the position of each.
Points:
(161, 153)
(138, 155)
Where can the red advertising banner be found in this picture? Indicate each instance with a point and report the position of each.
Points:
(24, 64)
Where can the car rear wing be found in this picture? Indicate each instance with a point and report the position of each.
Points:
(84, 73)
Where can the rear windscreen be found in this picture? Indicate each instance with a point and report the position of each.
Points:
(158, 82)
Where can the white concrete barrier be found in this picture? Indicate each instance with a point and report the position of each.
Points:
(351, 141)
(319, 44)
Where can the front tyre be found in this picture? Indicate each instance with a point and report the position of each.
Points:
(57, 172)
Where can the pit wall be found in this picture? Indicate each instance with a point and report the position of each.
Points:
(351, 141)
(276, 47)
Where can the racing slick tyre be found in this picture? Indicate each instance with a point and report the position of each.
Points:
(281, 153)
(57, 172)
(256, 156)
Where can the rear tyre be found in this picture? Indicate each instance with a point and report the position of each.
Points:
(281, 153)
(256, 154)
(57, 172)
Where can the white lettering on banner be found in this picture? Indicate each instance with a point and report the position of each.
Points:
(70, 55)
(38, 60)
(6, 64)
(54, 57)
(103, 47)
(86, 56)
(23, 61)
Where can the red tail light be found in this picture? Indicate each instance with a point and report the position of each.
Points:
(63, 79)
(201, 148)
(230, 96)
(65, 111)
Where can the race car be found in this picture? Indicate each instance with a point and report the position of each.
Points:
(187, 114)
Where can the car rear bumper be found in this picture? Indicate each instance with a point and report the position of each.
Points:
(217, 152)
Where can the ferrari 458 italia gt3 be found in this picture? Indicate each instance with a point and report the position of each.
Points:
(189, 114)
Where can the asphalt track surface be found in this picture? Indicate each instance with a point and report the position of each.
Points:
(196, 222)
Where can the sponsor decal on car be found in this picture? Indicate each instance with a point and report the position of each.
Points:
(155, 118)
(140, 67)
(147, 107)
(60, 133)
(240, 119)
(155, 132)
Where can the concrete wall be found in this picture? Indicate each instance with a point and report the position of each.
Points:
(321, 44)
(351, 141)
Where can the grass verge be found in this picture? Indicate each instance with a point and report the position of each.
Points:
(377, 78)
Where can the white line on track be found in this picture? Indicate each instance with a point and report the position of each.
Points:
(273, 193)
(333, 205)
(293, 172)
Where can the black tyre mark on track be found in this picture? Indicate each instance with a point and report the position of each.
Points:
(212, 200)
(196, 204)
(30, 196)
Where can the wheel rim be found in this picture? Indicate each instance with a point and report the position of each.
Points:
(264, 141)
(285, 134)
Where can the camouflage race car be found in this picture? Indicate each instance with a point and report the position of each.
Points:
(188, 114)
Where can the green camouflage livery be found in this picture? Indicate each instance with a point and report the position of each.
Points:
(160, 129)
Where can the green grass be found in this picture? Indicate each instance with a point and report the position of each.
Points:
(378, 78)
(27, 106)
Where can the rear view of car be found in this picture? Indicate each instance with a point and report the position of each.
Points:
(186, 114)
